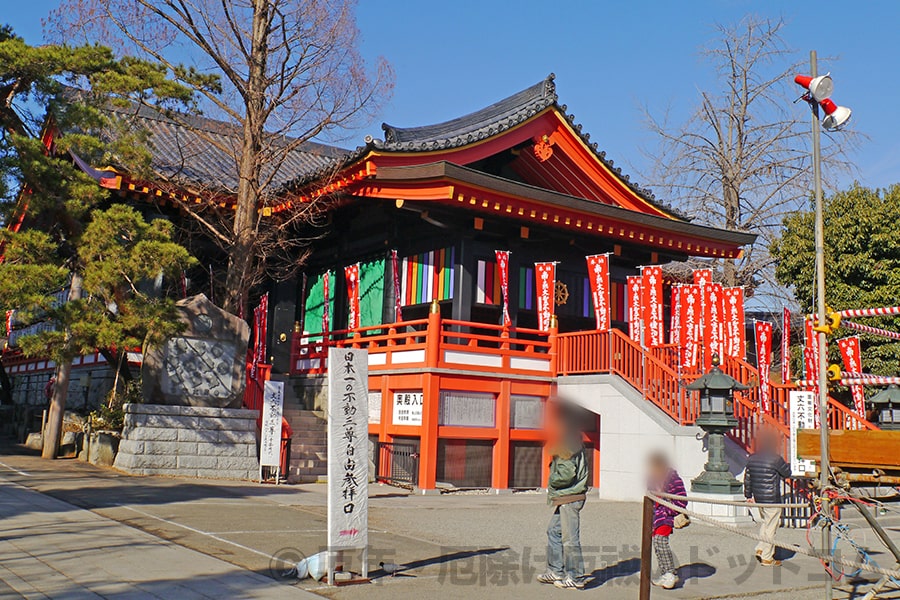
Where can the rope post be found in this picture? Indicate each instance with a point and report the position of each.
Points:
(646, 549)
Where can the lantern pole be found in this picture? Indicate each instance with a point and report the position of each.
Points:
(824, 463)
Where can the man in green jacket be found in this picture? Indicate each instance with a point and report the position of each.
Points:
(566, 492)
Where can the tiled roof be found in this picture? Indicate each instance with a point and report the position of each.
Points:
(199, 152)
(494, 119)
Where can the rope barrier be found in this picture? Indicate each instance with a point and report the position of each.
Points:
(728, 502)
(870, 312)
(873, 330)
(877, 380)
(821, 556)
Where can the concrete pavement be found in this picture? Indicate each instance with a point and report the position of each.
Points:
(459, 546)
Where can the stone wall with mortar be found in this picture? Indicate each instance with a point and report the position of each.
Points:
(189, 441)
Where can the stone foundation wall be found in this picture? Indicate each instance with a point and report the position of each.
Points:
(189, 441)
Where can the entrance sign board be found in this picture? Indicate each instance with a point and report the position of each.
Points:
(270, 435)
(803, 416)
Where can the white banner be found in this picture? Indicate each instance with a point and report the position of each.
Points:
(408, 408)
(270, 434)
(348, 448)
(803, 416)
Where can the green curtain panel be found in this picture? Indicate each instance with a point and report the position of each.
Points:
(371, 292)
(315, 302)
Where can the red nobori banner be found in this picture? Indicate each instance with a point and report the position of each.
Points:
(326, 293)
(786, 345)
(351, 273)
(502, 257)
(398, 300)
(260, 330)
(634, 307)
(675, 316)
(652, 306)
(735, 342)
(852, 356)
(702, 277)
(811, 354)
(598, 275)
(713, 322)
(689, 321)
(546, 285)
(764, 361)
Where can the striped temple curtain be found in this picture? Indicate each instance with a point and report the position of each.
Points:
(427, 276)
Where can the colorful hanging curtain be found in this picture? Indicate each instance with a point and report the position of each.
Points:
(786, 345)
(351, 275)
(852, 357)
(691, 313)
(260, 326)
(652, 306)
(428, 276)
(398, 300)
(763, 331)
(502, 257)
(734, 322)
(598, 277)
(635, 316)
(546, 286)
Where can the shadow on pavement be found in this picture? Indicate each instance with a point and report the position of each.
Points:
(441, 559)
(623, 568)
(694, 571)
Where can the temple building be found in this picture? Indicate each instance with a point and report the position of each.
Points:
(413, 224)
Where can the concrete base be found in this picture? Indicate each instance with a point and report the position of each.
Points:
(732, 515)
(102, 447)
(188, 441)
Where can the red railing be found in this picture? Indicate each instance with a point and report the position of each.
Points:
(435, 342)
(253, 393)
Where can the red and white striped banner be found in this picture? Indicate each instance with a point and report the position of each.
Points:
(870, 312)
(398, 300)
(873, 330)
(786, 345)
(502, 257)
(691, 312)
(351, 273)
(852, 357)
(598, 275)
(260, 329)
(326, 294)
(763, 332)
(876, 380)
(652, 306)
(546, 284)
(635, 322)
(735, 343)
(675, 316)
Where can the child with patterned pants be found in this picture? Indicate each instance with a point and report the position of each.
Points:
(663, 478)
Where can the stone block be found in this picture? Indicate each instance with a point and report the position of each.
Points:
(152, 434)
(197, 462)
(197, 435)
(236, 437)
(173, 448)
(34, 441)
(154, 461)
(227, 474)
(208, 449)
(226, 463)
(128, 446)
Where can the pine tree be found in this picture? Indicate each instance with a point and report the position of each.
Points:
(72, 256)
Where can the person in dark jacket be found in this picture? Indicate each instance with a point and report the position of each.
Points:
(663, 478)
(765, 472)
(566, 492)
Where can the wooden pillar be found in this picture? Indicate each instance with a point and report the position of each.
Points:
(464, 284)
(388, 309)
(500, 474)
(646, 549)
(431, 400)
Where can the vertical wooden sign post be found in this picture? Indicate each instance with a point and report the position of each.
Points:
(270, 433)
(348, 457)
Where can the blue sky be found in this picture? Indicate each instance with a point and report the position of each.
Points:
(610, 58)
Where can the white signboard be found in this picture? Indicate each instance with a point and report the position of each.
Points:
(803, 416)
(408, 408)
(270, 440)
(348, 443)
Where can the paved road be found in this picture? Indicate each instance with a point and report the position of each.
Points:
(205, 534)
